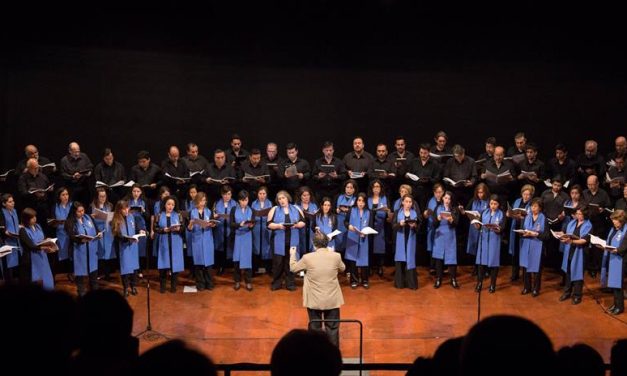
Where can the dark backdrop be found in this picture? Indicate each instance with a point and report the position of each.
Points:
(135, 79)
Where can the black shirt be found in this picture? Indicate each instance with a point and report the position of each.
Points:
(71, 165)
(327, 181)
(147, 176)
(109, 174)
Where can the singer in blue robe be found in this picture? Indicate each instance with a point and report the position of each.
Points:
(201, 244)
(445, 241)
(523, 202)
(612, 266)
(379, 210)
(242, 224)
(531, 245)
(405, 224)
(572, 259)
(11, 223)
(222, 231)
(357, 250)
(477, 205)
(138, 210)
(34, 264)
(170, 257)
(343, 204)
(124, 227)
(305, 234)
(489, 243)
(84, 240)
(261, 235)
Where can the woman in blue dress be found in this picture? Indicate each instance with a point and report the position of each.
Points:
(222, 237)
(343, 205)
(201, 243)
(124, 229)
(11, 236)
(157, 208)
(479, 203)
(261, 234)
(84, 237)
(34, 264)
(357, 253)
(192, 191)
(445, 218)
(61, 211)
(489, 242)
(405, 225)
(242, 223)
(432, 205)
(105, 243)
(170, 253)
(378, 205)
(326, 220)
(517, 219)
(533, 234)
(309, 209)
(572, 259)
(613, 261)
(139, 209)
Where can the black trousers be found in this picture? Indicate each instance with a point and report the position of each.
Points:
(280, 269)
(532, 281)
(237, 274)
(439, 269)
(494, 272)
(332, 328)
(573, 287)
(358, 275)
(405, 278)
(619, 299)
(81, 282)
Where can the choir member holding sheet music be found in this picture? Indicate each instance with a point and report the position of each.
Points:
(622, 202)
(357, 248)
(84, 237)
(169, 228)
(34, 264)
(34, 188)
(304, 201)
(201, 243)
(518, 149)
(261, 235)
(61, 212)
(534, 232)
(491, 225)
(440, 150)
(139, 210)
(383, 168)
(575, 200)
(235, 154)
(101, 210)
(574, 240)
(444, 252)
(518, 213)
(473, 210)
(253, 173)
(196, 163)
(379, 207)
(294, 171)
(111, 175)
(488, 154)
(589, 163)
(561, 165)
(434, 203)
(219, 174)
(326, 221)
(358, 164)
(343, 205)
(553, 201)
(284, 220)
(10, 225)
(272, 160)
(500, 174)
(405, 226)
(597, 201)
(613, 264)
(146, 174)
(328, 173)
(531, 170)
(222, 238)
(31, 151)
(460, 174)
(242, 223)
(127, 235)
(76, 171)
(615, 178)
(402, 160)
(175, 173)
(427, 171)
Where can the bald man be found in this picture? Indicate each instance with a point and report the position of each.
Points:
(620, 148)
(176, 167)
(34, 180)
(590, 162)
(31, 151)
(76, 170)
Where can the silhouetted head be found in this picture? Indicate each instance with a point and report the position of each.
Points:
(305, 353)
(174, 358)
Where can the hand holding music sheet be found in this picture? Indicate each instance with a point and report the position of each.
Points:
(248, 176)
(50, 244)
(601, 243)
(563, 236)
(356, 175)
(458, 183)
(102, 215)
(327, 168)
(262, 212)
(6, 250)
(472, 214)
(177, 178)
(136, 236)
(411, 176)
(490, 226)
(526, 232)
(3, 177)
(333, 234)
(204, 223)
(502, 178)
(368, 231)
(53, 222)
(291, 171)
(42, 190)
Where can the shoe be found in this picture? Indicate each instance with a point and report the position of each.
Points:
(576, 300)
(380, 271)
(432, 271)
(274, 287)
(454, 283)
(524, 292)
(478, 287)
(438, 283)
(492, 289)
(199, 288)
(617, 311)
(354, 285)
(126, 293)
(535, 293)
(249, 286)
(133, 291)
(220, 270)
(611, 308)
(237, 286)
(366, 285)
(291, 288)
(565, 296)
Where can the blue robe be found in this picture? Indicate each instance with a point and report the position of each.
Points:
(489, 242)
(243, 244)
(357, 246)
(531, 248)
(156, 212)
(340, 240)
(378, 243)
(612, 263)
(189, 206)
(140, 223)
(278, 236)
(565, 223)
(223, 229)
(576, 262)
(405, 249)
(201, 243)
(514, 237)
(176, 252)
(327, 226)
(473, 233)
(105, 244)
(444, 240)
(12, 224)
(129, 250)
(63, 240)
(40, 267)
(302, 248)
(430, 223)
(84, 253)
(261, 234)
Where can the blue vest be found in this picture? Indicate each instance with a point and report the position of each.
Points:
(489, 242)
(378, 243)
(12, 224)
(576, 260)
(201, 244)
(278, 236)
(405, 249)
(170, 258)
(357, 246)
(531, 248)
(129, 250)
(63, 240)
(612, 263)
(85, 254)
(243, 244)
(473, 233)
(261, 234)
(40, 267)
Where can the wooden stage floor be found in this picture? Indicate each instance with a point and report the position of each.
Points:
(399, 325)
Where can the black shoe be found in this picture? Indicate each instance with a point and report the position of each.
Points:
(354, 285)
(291, 288)
(249, 286)
(576, 300)
(535, 293)
(492, 289)
(524, 292)
(478, 287)
(438, 283)
(220, 270)
(565, 296)
(275, 287)
(237, 286)
(611, 308)
(617, 311)
(126, 293)
(200, 287)
(432, 271)
(366, 285)
(380, 271)
(133, 291)
(454, 283)
(514, 278)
